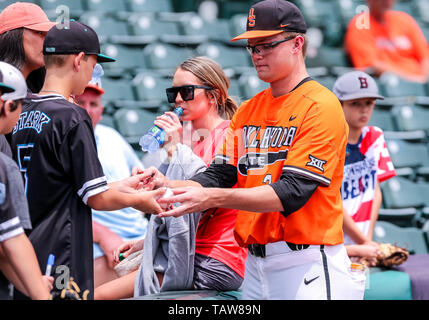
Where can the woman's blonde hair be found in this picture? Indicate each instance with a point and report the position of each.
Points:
(210, 74)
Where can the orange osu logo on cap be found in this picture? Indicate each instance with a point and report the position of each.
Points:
(252, 17)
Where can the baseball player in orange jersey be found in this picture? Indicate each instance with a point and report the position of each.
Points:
(285, 149)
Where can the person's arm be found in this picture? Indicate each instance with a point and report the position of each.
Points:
(24, 270)
(287, 195)
(107, 240)
(113, 199)
(376, 204)
(197, 199)
(368, 252)
(350, 228)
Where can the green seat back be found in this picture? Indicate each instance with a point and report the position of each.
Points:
(410, 238)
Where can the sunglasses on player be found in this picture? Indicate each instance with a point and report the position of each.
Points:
(186, 92)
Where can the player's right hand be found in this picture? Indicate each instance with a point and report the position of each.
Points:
(148, 201)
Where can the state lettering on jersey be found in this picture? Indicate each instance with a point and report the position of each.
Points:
(256, 160)
(31, 120)
(359, 177)
(270, 137)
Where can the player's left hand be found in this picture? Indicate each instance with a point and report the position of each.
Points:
(191, 199)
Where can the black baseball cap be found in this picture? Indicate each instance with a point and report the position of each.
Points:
(74, 38)
(270, 17)
(4, 87)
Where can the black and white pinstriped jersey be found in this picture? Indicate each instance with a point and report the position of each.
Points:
(54, 145)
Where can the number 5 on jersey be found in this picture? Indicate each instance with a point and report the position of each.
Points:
(23, 157)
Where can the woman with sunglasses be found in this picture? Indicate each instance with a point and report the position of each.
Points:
(200, 87)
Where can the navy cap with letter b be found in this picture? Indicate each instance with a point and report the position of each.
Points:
(73, 39)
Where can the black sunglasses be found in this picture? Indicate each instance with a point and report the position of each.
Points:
(186, 92)
(266, 47)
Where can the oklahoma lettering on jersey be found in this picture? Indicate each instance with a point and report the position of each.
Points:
(303, 132)
(367, 161)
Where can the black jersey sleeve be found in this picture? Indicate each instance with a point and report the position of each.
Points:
(294, 191)
(79, 157)
(217, 176)
(10, 225)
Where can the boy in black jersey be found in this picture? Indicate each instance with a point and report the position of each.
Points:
(18, 261)
(54, 146)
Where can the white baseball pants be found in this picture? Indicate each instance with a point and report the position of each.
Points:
(315, 273)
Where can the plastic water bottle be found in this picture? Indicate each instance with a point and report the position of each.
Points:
(155, 136)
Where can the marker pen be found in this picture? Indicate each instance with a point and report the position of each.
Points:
(50, 264)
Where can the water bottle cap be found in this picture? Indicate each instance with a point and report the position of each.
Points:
(178, 111)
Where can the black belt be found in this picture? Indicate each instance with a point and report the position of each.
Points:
(258, 250)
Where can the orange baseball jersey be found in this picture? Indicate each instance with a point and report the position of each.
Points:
(303, 132)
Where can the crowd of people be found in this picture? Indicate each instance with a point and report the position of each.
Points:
(277, 197)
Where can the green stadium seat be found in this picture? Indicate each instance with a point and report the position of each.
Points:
(50, 7)
(150, 6)
(150, 89)
(411, 238)
(335, 59)
(148, 29)
(324, 15)
(144, 24)
(421, 8)
(107, 120)
(228, 8)
(250, 84)
(327, 81)
(119, 92)
(404, 217)
(349, 8)
(217, 30)
(399, 192)
(382, 119)
(133, 123)
(411, 117)
(165, 58)
(407, 154)
(238, 26)
(129, 59)
(316, 13)
(235, 59)
(404, 6)
(112, 6)
(107, 28)
(5, 3)
(235, 91)
(392, 85)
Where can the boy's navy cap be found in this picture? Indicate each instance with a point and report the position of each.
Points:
(270, 17)
(4, 87)
(356, 85)
(73, 39)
